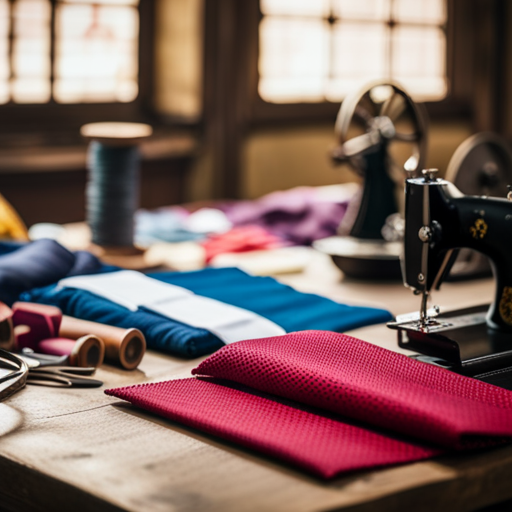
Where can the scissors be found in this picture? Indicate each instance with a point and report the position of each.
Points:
(16, 374)
(47, 370)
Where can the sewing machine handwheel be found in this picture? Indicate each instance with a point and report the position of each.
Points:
(382, 111)
(482, 165)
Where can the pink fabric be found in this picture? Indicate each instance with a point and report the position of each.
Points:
(241, 239)
(313, 442)
(340, 374)
(348, 376)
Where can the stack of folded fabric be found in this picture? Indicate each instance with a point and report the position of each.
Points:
(32, 273)
(186, 335)
(328, 403)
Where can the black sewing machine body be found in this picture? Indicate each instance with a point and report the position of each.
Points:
(439, 220)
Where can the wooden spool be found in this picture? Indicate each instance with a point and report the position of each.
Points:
(116, 134)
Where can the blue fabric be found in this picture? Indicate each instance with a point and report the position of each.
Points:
(292, 310)
(165, 224)
(161, 333)
(32, 269)
(25, 266)
(8, 246)
(282, 304)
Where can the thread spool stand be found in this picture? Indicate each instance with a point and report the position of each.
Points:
(112, 194)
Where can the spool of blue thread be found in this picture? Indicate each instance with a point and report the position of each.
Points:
(112, 193)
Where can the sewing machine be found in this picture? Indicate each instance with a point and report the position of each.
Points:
(381, 133)
(439, 220)
(480, 166)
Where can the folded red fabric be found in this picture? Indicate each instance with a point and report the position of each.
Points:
(336, 373)
(360, 380)
(321, 445)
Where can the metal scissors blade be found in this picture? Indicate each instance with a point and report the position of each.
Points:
(16, 378)
(34, 359)
(63, 376)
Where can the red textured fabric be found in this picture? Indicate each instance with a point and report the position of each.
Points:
(337, 373)
(316, 443)
(348, 376)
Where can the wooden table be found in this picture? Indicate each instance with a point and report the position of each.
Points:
(75, 449)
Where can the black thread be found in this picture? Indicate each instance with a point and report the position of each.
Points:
(112, 193)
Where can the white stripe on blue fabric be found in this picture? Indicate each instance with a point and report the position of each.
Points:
(132, 290)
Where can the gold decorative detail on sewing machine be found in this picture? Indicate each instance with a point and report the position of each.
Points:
(505, 305)
(479, 230)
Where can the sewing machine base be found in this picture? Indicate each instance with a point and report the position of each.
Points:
(462, 342)
(361, 258)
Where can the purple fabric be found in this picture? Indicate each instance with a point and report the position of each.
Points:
(296, 215)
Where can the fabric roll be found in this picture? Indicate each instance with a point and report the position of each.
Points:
(329, 403)
(281, 304)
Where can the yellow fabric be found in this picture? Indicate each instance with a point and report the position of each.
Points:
(11, 225)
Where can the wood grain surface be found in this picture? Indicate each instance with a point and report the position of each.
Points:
(77, 449)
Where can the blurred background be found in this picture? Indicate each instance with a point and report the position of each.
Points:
(242, 95)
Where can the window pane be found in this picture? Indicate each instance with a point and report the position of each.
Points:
(319, 8)
(96, 53)
(420, 11)
(31, 51)
(361, 9)
(418, 60)
(359, 55)
(110, 2)
(294, 59)
(4, 51)
(365, 40)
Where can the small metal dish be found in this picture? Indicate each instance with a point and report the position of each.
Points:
(363, 258)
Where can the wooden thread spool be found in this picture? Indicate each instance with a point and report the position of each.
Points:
(87, 351)
(124, 347)
(113, 185)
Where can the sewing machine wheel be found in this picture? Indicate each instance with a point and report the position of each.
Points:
(382, 111)
(480, 166)
(381, 133)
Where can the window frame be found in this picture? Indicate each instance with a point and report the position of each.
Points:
(476, 53)
(457, 102)
(61, 117)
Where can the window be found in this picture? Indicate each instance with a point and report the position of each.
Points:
(68, 51)
(321, 50)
